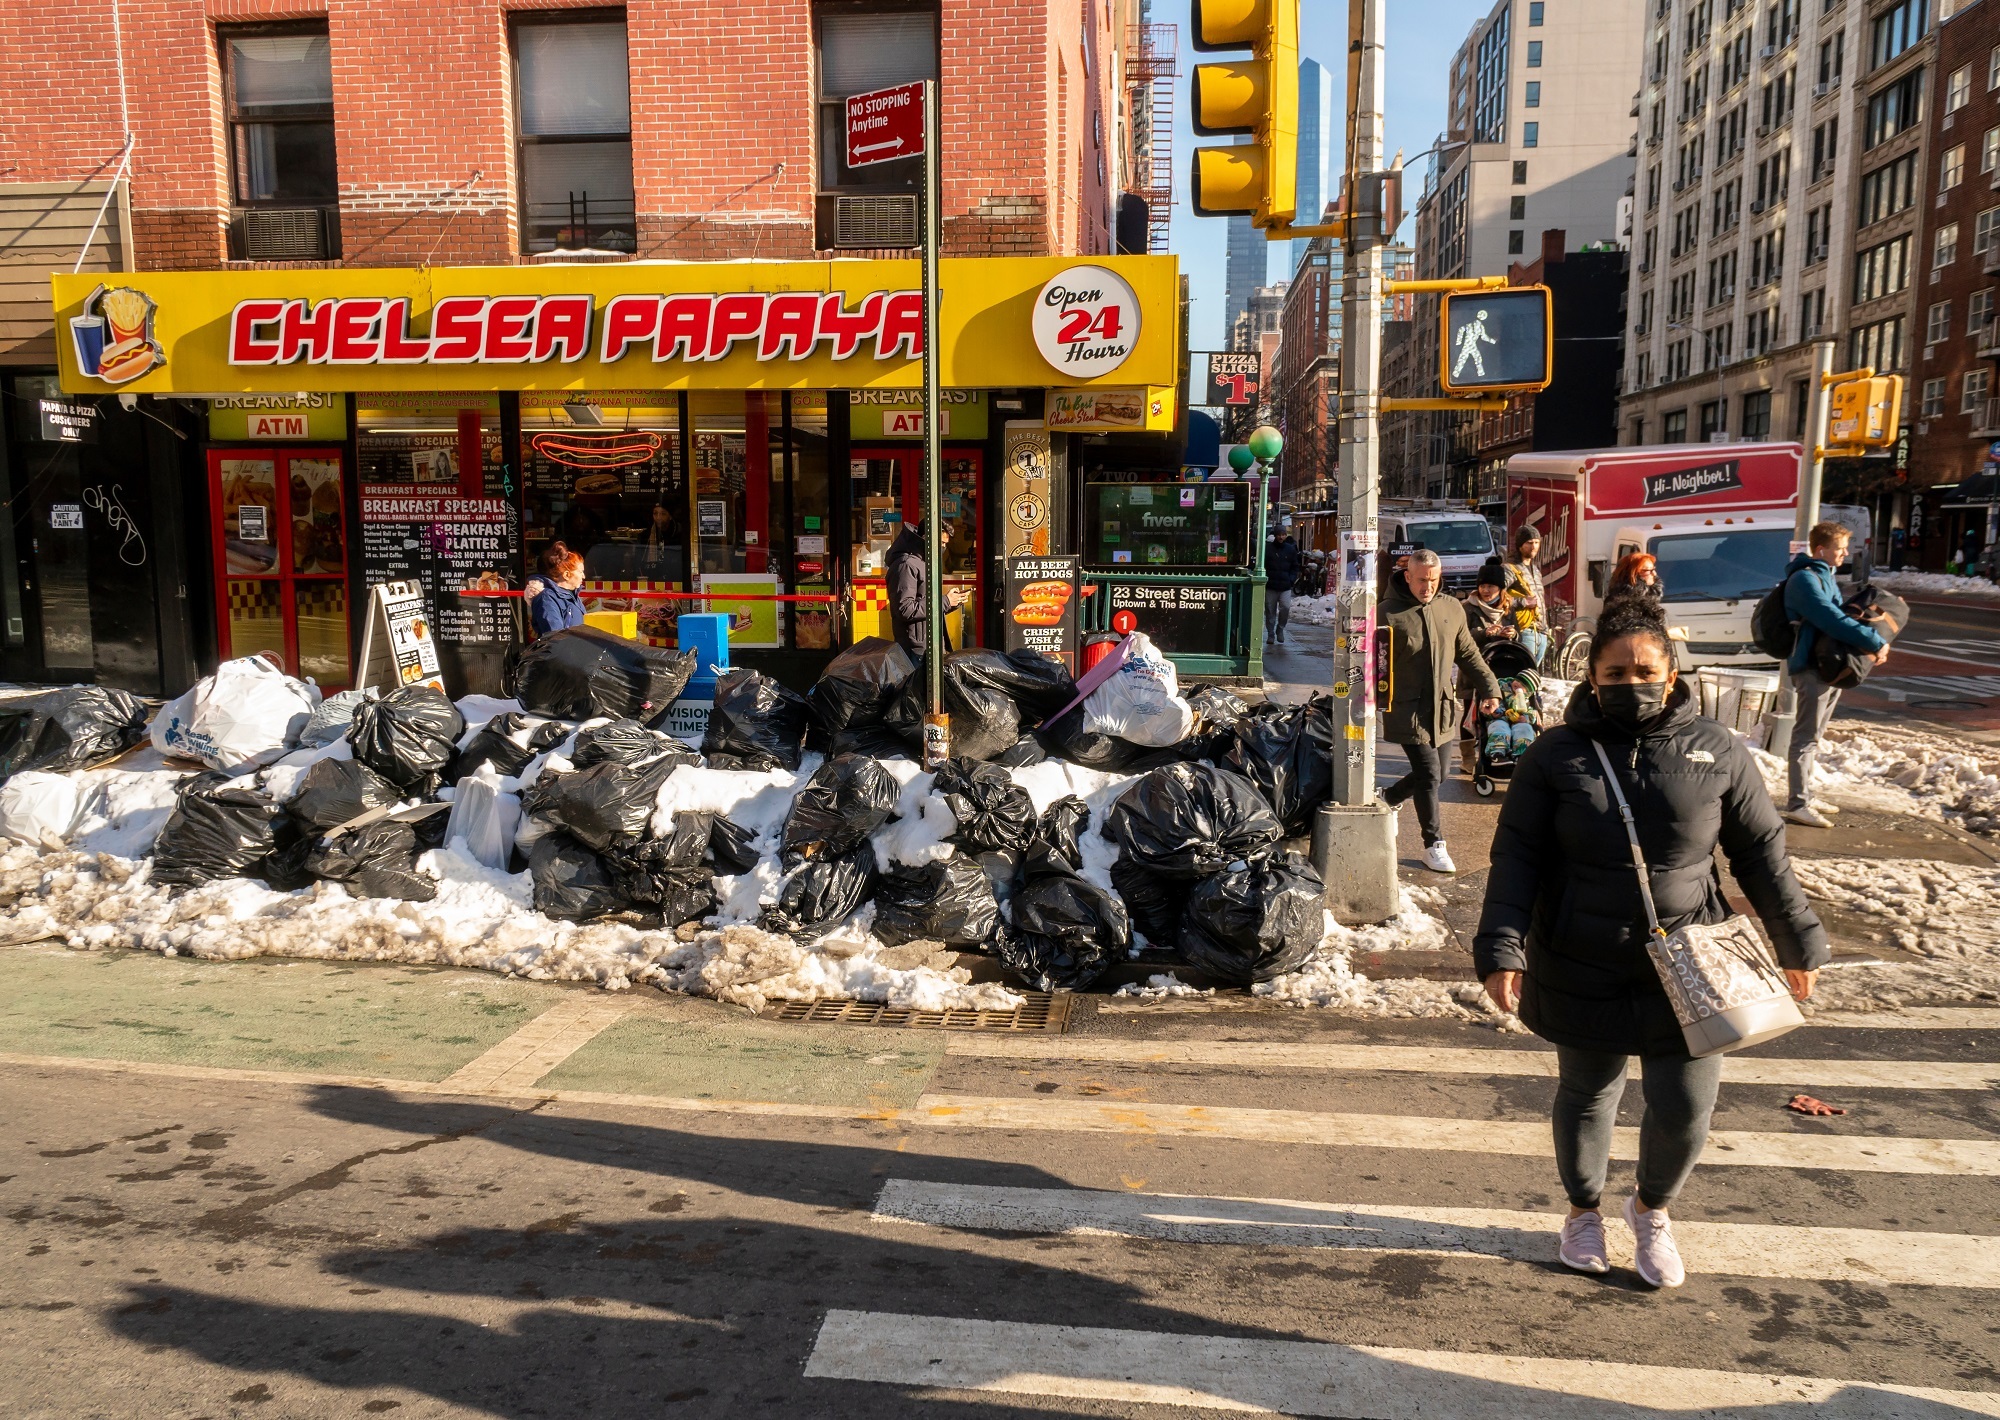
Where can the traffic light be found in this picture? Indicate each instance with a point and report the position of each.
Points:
(1258, 96)
(1865, 413)
(1496, 341)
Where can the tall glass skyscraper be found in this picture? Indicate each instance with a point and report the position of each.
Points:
(1243, 271)
(1314, 96)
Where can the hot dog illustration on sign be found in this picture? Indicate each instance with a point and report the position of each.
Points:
(1086, 321)
(113, 339)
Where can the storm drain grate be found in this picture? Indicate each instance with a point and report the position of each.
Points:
(1040, 1011)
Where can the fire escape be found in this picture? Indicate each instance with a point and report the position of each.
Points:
(1151, 72)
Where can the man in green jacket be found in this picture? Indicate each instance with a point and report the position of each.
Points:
(1427, 636)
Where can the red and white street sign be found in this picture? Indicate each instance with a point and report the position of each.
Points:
(885, 125)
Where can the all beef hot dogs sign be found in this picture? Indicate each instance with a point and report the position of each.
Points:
(778, 325)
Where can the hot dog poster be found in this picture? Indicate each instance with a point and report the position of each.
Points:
(1042, 606)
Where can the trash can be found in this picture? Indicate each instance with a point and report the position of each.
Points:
(1096, 646)
(707, 635)
(1739, 699)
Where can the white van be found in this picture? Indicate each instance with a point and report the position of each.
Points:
(1459, 535)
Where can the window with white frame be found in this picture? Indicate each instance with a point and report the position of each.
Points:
(1945, 252)
(1985, 231)
(1993, 69)
(1972, 394)
(1951, 167)
(1937, 323)
(1989, 150)
(1978, 311)
(1958, 89)
(1933, 400)
(1879, 344)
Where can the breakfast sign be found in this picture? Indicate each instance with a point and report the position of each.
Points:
(1005, 322)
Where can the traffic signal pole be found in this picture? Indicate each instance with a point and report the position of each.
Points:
(1354, 836)
(937, 728)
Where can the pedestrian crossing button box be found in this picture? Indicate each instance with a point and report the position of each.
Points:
(1496, 341)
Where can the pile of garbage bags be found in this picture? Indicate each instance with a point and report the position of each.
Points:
(570, 781)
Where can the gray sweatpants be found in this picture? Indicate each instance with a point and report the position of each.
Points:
(1680, 1097)
(1816, 702)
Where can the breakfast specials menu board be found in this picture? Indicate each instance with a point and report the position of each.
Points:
(446, 544)
(1042, 606)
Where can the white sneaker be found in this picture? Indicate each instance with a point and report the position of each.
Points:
(1582, 1247)
(1658, 1259)
(1808, 817)
(1826, 808)
(1438, 859)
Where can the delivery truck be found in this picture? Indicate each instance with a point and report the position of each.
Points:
(1717, 517)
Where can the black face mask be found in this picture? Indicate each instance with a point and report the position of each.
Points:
(1634, 704)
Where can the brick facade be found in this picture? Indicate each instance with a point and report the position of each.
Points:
(723, 119)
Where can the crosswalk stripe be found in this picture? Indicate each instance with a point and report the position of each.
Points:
(1325, 1379)
(1913, 1018)
(1846, 1152)
(1872, 1256)
(1427, 1060)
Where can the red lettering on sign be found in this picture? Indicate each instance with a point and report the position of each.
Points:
(357, 336)
(398, 346)
(902, 326)
(684, 328)
(562, 324)
(848, 329)
(305, 330)
(245, 348)
(790, 321)
(507, 341)
(1075, 326)
(628, 320)
(456, 330)
(738, 316)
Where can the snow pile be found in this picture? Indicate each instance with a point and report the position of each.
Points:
(1316, 611)
(1159, 987)
(1934, 583)
(1897, 770)
(1329, 979)
(1948, 914)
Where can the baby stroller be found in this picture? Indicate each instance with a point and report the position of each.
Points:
(1502, 736)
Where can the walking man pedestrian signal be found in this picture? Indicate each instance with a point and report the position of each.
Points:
(1470, 338)
(1496, 341)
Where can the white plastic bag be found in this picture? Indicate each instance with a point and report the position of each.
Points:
(248, 712)
(38, 808)
(485, 818)
(1141, 703)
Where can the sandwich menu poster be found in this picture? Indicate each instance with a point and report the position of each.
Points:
(1041, 598)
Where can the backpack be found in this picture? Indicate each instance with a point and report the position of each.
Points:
(1772, 629)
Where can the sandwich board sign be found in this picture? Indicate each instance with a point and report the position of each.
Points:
(397, 646)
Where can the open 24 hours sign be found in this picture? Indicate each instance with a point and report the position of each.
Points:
(1006, 322)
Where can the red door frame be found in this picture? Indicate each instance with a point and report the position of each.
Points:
(909, 462)
(283, 575)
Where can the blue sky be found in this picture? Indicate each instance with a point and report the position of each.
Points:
(1423, 35)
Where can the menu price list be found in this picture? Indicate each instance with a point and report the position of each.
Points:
(446, 544)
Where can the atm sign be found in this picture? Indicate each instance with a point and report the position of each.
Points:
(278, 426)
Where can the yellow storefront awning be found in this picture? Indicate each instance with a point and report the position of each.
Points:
(1103, 323)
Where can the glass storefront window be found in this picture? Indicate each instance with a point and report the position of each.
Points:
(1200, 525)
(805, 535)
(738, 463)
(603, 474)
(422, 438)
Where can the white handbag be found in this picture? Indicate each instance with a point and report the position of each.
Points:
(1725, 984)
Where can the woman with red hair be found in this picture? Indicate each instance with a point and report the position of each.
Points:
(556, 606)
(1637, 572)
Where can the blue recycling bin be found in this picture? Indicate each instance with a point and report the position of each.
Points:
(707, 635)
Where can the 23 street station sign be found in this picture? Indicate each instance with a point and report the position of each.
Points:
(1026, 322)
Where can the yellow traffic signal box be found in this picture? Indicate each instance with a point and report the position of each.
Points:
(1865, 414)
(1258, 96)
(1498, 341)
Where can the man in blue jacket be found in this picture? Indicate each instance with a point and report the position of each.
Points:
(1282, 562)
(1812, 602)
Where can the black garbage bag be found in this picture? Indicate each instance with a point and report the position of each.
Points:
(1023, 752)
(949, 901)
(72, 728)
(1061, 827)
(603, 804)
(1002, 867)
(1215, 704)
(755, 718)
(823, 890)
(407, 737)
(627, 742)
(1156, 902)
(862, 687)
(220, 828)
(654, 879)
(377, 860)
(1065, 931)
(509, 743)
(572, 882)
(1189, 820)
(1286, 753)
(1252, 923)
(847, 798)
(992, 697)
(686, 843)
(1068, 739)
(992, 810)
(582, 673)
(336, 790)
(729, 847)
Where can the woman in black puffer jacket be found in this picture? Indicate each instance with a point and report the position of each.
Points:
(1563, 934)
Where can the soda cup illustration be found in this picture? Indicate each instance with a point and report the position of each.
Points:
(86, 334)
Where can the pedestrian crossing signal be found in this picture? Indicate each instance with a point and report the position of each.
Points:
(1257, 96)
(1865, 413)
(1496, 341)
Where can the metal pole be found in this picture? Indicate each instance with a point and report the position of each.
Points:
(1354, 836)
(936, 731)
(1812, 463)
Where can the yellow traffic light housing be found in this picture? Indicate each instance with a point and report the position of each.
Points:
(1258, 96)
(1865, 412)
(1496, 341)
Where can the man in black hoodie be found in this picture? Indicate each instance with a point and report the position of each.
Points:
(905, 568)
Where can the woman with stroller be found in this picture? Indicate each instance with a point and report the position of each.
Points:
(1562, 938)
(1490, 618)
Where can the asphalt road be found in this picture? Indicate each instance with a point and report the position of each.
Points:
(1170, 1210)
(1944, 668)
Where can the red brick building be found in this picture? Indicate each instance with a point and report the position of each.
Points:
(290, 137)
(1954, 389)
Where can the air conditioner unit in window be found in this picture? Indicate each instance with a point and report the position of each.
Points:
(283, 234)
(888, 221)
(1820, 91)
(1638, 330)
(1758, 205)
(1769, 51)
(1679, 183)
(1763, 130)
